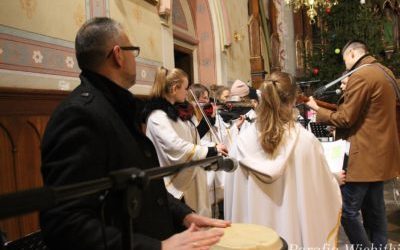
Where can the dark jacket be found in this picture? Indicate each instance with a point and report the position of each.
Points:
(94, 132)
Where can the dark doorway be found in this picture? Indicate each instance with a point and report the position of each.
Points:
(184, 60)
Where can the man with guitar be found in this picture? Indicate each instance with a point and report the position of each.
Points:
(367, 119)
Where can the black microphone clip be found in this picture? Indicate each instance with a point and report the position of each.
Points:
(225, 164)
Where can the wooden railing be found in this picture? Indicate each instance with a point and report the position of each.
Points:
(24, 114)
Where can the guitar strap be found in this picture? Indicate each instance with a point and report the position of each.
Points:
(392, 81)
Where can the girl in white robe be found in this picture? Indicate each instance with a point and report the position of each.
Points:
(176, 139)
(283, 180)
(215, 179)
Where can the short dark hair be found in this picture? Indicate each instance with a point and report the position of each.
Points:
(93, 41)
(355, 44)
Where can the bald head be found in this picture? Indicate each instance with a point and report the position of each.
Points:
(355, 45)
(352, 52)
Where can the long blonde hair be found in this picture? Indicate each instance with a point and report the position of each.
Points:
(164, 81)
(275, 111)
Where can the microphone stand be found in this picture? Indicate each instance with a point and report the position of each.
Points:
(322, 89)
(131, 181)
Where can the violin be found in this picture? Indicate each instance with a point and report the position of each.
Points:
(233, 110)
(185, 110)
(327, 105)
(232, 105)
(216, 138)
(208, 108)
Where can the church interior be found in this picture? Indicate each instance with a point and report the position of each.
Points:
(215, 42)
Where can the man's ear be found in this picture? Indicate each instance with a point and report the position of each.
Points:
(352, 54)
(117, 55)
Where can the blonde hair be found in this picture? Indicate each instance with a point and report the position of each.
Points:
(275, 111)
(164, 81)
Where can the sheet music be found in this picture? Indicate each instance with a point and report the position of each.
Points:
(334, 153)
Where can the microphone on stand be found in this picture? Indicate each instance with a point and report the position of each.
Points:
(225, 164)
(321, 90)
(25, 201)
(333, 92)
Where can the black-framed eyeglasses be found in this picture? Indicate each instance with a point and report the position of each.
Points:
(135, 49)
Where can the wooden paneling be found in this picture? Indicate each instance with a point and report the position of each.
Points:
(7, 178)
(24, 114)
(256, 58)
(303, 40)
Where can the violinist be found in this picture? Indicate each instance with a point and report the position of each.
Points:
(240, 92)
(175, 137)
(367, 116)
(215, 180)
(202, 94)
(343, 83)
(221, 94)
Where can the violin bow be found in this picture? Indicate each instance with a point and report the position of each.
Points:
(216, 138)
(219, 120)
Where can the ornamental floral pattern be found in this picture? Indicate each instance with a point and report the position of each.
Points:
(37, 56)
(69, 61)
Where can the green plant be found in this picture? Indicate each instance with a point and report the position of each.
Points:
(335, 27)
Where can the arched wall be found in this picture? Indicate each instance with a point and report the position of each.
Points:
(37, 40)
(196, 14)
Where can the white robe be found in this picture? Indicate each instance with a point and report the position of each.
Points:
(175, 143)
(246, 124)
(293, 193)
(227, 133)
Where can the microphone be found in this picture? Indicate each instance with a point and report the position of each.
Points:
(226, 164)
(322, 90)
(307, 82)
(333, 92)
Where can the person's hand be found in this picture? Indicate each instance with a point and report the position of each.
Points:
(221, 148)
(240, 121)
(202, 221)
(341, 177)
(193, 238)
(312, 104)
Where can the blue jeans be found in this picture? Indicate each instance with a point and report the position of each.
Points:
(367, 197)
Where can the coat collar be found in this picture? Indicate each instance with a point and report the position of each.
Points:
(365, 59)
(159, 104)
(122, 100)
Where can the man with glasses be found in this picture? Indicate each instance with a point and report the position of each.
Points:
(367, 119)
(96, 131)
